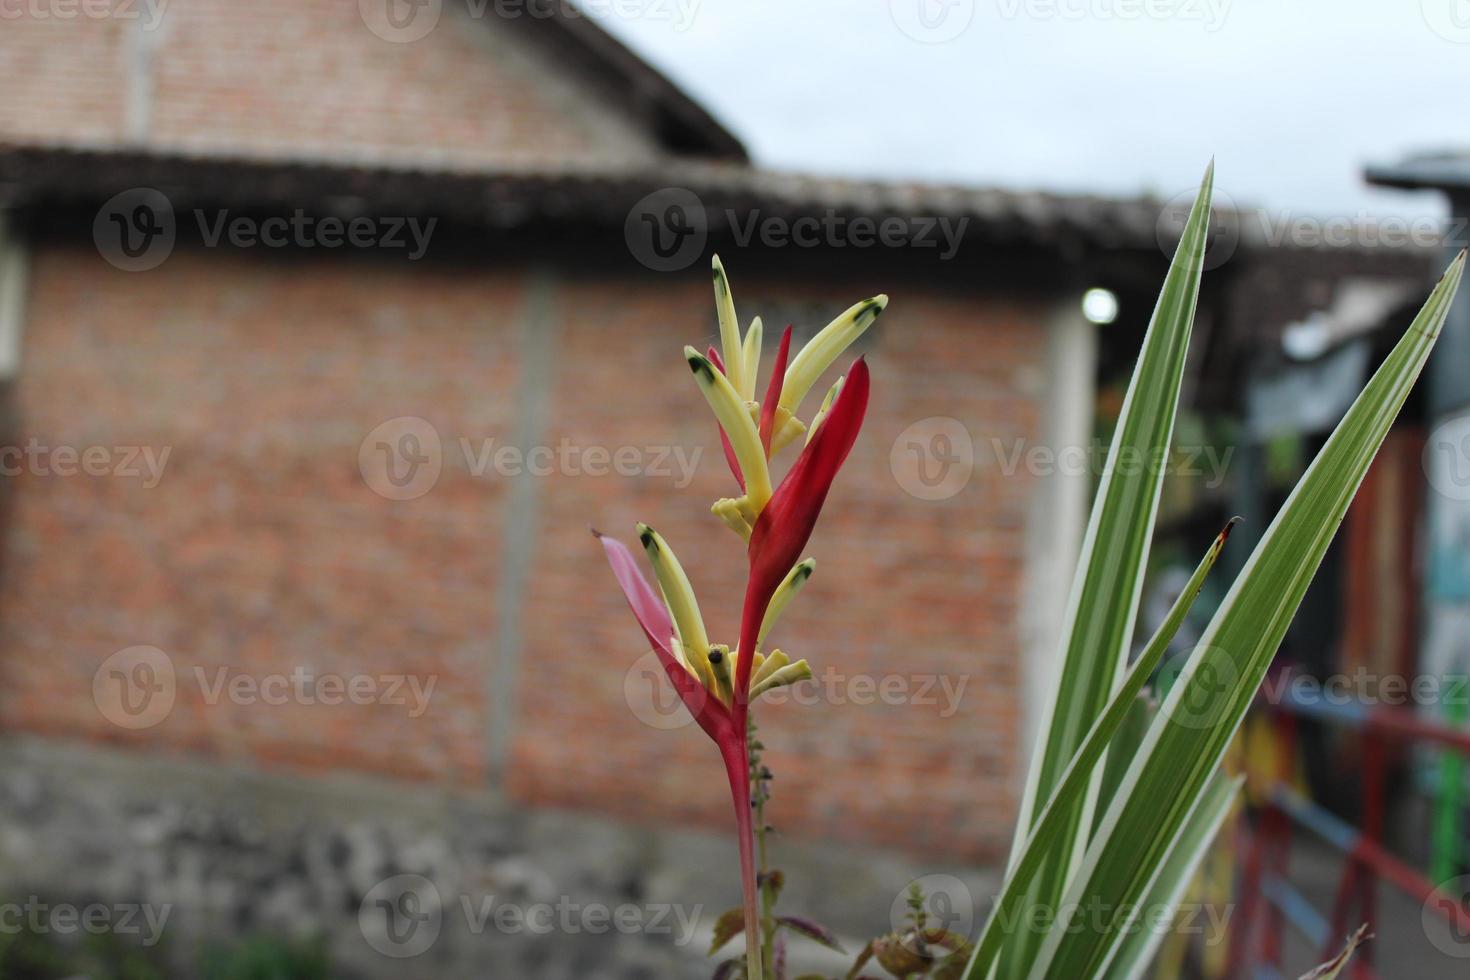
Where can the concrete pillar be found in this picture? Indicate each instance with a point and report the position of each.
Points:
(14, 272)
(1058, 518)
(538, 329)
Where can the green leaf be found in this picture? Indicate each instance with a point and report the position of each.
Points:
(1210, 698)
(729, 925)
(1124, 747)
(1078, 779)
(1139, 947)
(1098, 629)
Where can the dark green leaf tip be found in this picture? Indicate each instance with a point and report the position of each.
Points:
(701, 366)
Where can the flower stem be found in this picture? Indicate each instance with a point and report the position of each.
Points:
(761, 794)
(737, 767)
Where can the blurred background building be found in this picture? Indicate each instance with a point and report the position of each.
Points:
(326, 336)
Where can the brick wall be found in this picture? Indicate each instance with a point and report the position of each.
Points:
(262, 549)
(293, 79)
(905, 588)
(264, 555)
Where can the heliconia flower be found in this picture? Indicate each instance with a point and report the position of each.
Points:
(652, 615)
(784, 593)
(751, 353)
(819, 354)
(776, 422)
(730, 331)
(773, 392)
(786, 523)
(716, 682)
(735, 419)
(691, 643)
(671, 620)
(730, 458)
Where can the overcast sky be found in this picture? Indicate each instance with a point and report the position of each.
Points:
(1292, 96)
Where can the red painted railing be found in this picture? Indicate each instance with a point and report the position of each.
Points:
(1269, 902)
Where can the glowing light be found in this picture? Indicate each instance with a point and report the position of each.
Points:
(1100, 306)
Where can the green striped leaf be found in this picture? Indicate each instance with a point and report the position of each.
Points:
(1098, 628)
(1010, 917)
(1139, 947)
(1207, 703)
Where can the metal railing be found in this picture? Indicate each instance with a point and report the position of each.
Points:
(1269, 902)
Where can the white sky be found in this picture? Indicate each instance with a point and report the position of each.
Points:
(1292, 96)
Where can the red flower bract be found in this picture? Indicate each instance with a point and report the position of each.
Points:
(649, 609)
(786, 522)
